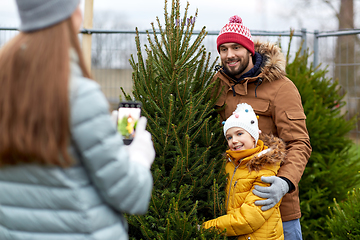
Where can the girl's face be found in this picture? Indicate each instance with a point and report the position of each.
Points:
(239, 139)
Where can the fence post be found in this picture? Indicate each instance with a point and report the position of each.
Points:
(86, 37)
(303, 39)
(316, 48)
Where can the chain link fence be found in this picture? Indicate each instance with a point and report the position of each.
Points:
(339, 53)
(336, 51)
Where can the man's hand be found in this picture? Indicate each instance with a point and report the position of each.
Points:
(274, 193)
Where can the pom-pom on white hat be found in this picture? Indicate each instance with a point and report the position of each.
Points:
(244, 117)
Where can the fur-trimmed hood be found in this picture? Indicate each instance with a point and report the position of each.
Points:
(274, 154)
(274, 63)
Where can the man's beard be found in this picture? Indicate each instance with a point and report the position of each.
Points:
(239, 70)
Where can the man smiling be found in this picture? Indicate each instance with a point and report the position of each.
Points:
(235, 59)
(254, 73)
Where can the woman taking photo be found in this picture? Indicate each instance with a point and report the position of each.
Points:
(64, 171)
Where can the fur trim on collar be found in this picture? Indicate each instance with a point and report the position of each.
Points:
(274, 61)
(274, 154)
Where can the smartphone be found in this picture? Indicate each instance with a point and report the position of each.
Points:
(129, 113)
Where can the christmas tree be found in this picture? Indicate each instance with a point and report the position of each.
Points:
(172, 79)
(332, 169)
(344, 219)
(174, 86)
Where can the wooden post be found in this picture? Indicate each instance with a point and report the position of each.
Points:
(86, 38)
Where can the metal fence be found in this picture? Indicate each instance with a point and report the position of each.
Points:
(111, 51)
(339, 53)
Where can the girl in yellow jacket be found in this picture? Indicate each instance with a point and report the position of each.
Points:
(248, 159)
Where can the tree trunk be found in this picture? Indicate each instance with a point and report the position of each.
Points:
(346, 71)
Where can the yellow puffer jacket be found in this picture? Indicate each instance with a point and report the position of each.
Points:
(244, 218)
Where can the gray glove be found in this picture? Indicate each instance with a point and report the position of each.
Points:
(274, 193)
(141, 149)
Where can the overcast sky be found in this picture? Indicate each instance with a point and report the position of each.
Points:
(268, 15)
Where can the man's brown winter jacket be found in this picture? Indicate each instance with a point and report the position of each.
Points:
(277, 101)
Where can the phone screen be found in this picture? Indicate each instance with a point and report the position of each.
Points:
(128, 116)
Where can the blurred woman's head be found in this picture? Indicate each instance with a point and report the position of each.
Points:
(34, 78)
(39, 14)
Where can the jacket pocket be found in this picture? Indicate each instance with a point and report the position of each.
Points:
(260, 106)
(296, 127)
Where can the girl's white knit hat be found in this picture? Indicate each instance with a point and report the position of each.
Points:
(244, 117)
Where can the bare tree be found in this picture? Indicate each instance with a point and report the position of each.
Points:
(345, 55)
(110, 50)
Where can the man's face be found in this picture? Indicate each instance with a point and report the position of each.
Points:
(235, 58)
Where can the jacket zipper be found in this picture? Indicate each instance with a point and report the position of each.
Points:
(233, 195)
(228, 198)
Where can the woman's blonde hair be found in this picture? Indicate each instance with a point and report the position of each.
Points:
(34, 96)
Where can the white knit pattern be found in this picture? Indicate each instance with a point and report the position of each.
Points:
(245, 118)
(236, 28)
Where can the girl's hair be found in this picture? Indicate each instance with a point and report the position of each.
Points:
(34, 96)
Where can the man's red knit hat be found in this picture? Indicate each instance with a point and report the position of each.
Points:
(236, 32)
